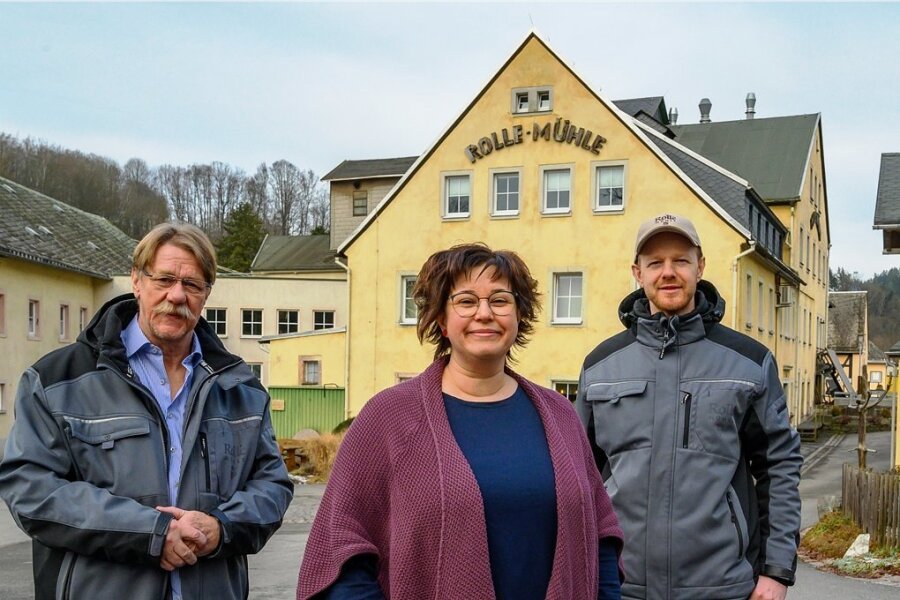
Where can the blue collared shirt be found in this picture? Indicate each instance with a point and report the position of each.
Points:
(146, 361)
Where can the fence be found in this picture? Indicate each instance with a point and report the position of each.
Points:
(294, 409)
(873, 501)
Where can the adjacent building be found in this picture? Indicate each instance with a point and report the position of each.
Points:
(542, 163)
(57, 265)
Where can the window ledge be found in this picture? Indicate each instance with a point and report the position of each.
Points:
(618, 210)
(504, 216)
(577, 323)
(405, 323)
(556, 213)
(460, 217)
(251, 337)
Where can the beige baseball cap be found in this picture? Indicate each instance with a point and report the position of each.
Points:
(662, 223)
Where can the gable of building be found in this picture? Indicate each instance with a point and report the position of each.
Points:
(535, 47)
(847, 321)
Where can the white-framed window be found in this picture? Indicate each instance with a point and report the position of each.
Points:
(771, 311)
(760, 305)
(256, 368)
(505, 192)
(800, 244)
(2, 314)
(311, 371)
(457, 195)
(323, 319)
(875, 376)
(748, 300)
(543, 100)
(532, 99)
(814, 259)
(217, 319)
(556, 190)
(569, 389)
(521, 102)
(408, 309)
(802, 332)
(251, 322)
(2, 397)
(288, 321)
(34, 318)
(567, 297)
(609, 186)
(82, 318)
(63, 322)
(360, 203)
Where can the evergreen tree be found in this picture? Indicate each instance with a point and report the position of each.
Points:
(244, 233)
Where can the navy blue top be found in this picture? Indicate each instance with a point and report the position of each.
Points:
(506, 447)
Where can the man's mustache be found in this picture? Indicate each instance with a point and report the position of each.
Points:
(179, 310)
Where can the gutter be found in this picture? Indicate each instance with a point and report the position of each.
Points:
(346, 268)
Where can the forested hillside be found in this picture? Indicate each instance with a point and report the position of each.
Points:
(284, 199)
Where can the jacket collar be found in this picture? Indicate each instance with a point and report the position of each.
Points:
(663, 332)
(104, 335)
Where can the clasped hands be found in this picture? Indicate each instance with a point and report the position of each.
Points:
(191, 535)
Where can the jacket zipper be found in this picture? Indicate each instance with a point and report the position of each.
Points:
(662, 349)
(67, 588)
(737, 526)
(686, 402)
(204, 453)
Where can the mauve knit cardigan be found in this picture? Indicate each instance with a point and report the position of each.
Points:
(402, 490)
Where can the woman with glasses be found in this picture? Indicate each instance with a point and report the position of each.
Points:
(468, 481)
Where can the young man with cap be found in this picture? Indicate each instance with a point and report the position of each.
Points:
(690, 430)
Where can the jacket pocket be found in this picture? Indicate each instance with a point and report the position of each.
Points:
(106, 449)
(64, 579)
(737, 519)
(622, 415)
(231, 451)
(716, 411)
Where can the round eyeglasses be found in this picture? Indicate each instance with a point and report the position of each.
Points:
(193, 287)
(466, 304)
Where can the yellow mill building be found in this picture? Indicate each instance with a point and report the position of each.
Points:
(541, 163)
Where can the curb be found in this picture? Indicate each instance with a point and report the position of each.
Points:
(822, 452)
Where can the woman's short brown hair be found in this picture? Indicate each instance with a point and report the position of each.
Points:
(189, 238)
(442, 269)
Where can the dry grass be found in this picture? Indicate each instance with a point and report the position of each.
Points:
(830, 537)
(320, 454)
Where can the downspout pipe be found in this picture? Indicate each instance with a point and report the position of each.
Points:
(346, 343)
(734, 282)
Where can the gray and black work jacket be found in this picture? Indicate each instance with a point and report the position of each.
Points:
(86, 463)
(691, 432)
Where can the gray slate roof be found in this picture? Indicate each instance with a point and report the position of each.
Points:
(846, 320)
(770, 153)
(295, 253)
(369, 169)
(887, 202)
(37, 228)
(654, 106)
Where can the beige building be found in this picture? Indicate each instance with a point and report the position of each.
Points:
(541, 163)
(56, 268)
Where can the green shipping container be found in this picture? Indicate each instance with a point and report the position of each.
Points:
(295, 408)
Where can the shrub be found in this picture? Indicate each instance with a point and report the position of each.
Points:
(320, 453)
(837, 411)
(830, 537)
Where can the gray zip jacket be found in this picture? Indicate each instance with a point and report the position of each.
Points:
(690, 430)
(85, 465)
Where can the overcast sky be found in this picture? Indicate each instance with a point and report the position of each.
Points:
(319, 83)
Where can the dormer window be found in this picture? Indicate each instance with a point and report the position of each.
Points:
(532, 100)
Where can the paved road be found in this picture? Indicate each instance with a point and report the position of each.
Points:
(273, 572)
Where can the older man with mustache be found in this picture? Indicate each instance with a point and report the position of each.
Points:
(143, 461)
